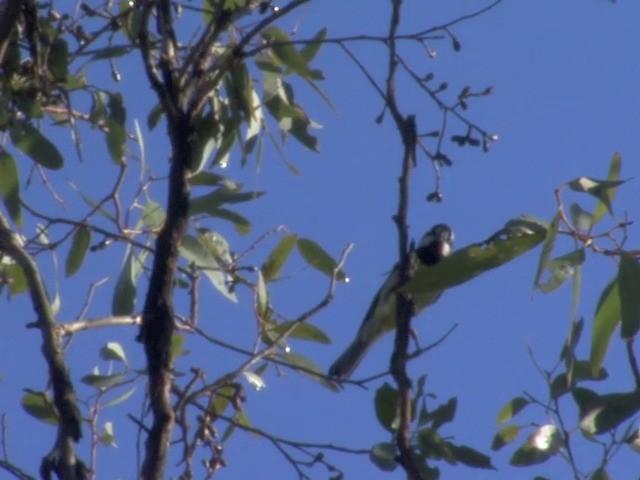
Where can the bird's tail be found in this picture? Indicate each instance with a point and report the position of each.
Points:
(346, 363)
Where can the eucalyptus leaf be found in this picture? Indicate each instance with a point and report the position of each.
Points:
(32, 143)
(79, 246)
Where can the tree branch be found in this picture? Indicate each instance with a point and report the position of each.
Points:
(62, 458)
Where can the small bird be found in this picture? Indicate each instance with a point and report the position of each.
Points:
(436, 244)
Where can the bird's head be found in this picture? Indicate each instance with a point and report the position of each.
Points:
(436, 244)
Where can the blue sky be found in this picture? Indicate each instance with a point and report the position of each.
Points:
(566, 97)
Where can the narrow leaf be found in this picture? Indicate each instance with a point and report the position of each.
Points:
(471, 457)
(102, 381)
(629, 289)
(547, 248)
(120, 398)
(318, 258)
(211, 202)
(311, 49)
(302, 331)
(32, 143)
(614, 174)
(77, 252)
(511, 409)
(608, 315)
(10, 187)
(124, 295)
(275, 261)
(285, 51)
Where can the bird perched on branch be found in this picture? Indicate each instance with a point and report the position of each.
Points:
(436, 244)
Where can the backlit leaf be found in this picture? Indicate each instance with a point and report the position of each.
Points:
(318, 258)
(273, 265)
(614, 174)
(607, 317)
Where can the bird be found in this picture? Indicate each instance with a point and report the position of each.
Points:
(434, 245)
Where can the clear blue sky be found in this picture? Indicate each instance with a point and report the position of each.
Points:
(566, 79)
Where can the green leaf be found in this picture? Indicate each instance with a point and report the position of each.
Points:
(444, 413)
(471, 457)
(608, 315)
(222, 400)
(547, 248)
(78, 251)
(216, 245)
(309, 369)
(177, 343)
(629, 290)
(511, 409)
(581, 219)
(112, 51)
(505, 436)
(32, 143)
(318, 258)
(285, 51)
(10, 187)
(302, 331)
(275, 261)
(386, 405)
(116, 132)
(597, 188)
(194, 252)
(473, 260)
(575, 332)
(603, 413)
(124, 295)
(58, 59)
(528, 455)
(432, 445)
(40, 406)
(299, 128)
(16, 278)
(562, 269)
(600, 474)
(119, 399)
(241, 89)
(210, 179)
(311, 49)
(211, 202)
(614, 174)
(153, 215)
(154, 116)
(102, 381)
(241, 224)
(580, 371)
(383, 455)
(113, 351)
(89, 201)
